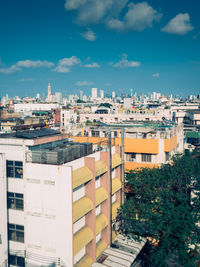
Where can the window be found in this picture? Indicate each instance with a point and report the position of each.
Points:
(14, 169)
(97, 182)
(98, 210)
(115, 133)
(15, 201)
(131, 157)
(167, 156)
(16, 232)
(95, 133)
(16, 260)
(146, 157)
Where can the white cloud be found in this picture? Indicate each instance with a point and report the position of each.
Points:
(26, 64)
(65, 64)
(156, 75)
(71, 61)
(135, 17)
(95, 11)
(34, 64)
(180, 25)
(10, 70)
(62, 69)
(89, 35)
(84, 83)
(125, 63)
(92, 65)
(138, 17)
(74, 4)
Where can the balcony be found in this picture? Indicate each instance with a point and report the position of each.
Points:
(100, 167)
(86, 261)
(116, 160)
(81, 176)
(101, 195)
(81, 207)
(100, 247)
(116, 185)
(101, 223)
(82, 238)
(115, 208)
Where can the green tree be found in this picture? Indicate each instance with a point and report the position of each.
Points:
(80, 101)
(107, 105)
(88, 123)
(164, 206)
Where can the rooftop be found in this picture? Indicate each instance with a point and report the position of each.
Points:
(31, 134)
(122, 253)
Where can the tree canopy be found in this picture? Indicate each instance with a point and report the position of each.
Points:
(80, 101)
(107, 105)
(163, 205)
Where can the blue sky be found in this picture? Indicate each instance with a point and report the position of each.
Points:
(108, 44)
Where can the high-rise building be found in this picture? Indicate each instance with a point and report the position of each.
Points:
(113, 94)
(49, 89)
(58, 97)
(81, 95)
(94, 93)
(101, 94)
(57, 200)
(37, 96)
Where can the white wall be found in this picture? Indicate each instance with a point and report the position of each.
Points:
(12, 152)
(48, 216)
(161, 154)
(34, 106)
(3, 212)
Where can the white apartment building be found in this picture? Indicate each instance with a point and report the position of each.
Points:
(152, 115)
(27, 109)
(145, 144)
(68, 119)
(94, 93)
(58, 208)
(101, 94)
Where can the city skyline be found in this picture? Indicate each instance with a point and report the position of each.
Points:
(111, 45)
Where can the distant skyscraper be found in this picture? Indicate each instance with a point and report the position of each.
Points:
(101, 94)
(85, 98)
(94, 93)
(81, 95)
(113, 94)
(49, 89)
(58, 97)
(154, 96)
(38, 96)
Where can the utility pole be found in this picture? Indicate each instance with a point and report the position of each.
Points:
(122, 155)
(110, 152)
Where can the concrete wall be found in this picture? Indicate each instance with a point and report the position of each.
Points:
(48, 216)
(3, 213)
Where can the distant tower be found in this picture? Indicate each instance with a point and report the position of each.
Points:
(81, 95)
(49, 89)
(94, 93)
(113, 94)
(101, 94)
(131, 92)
